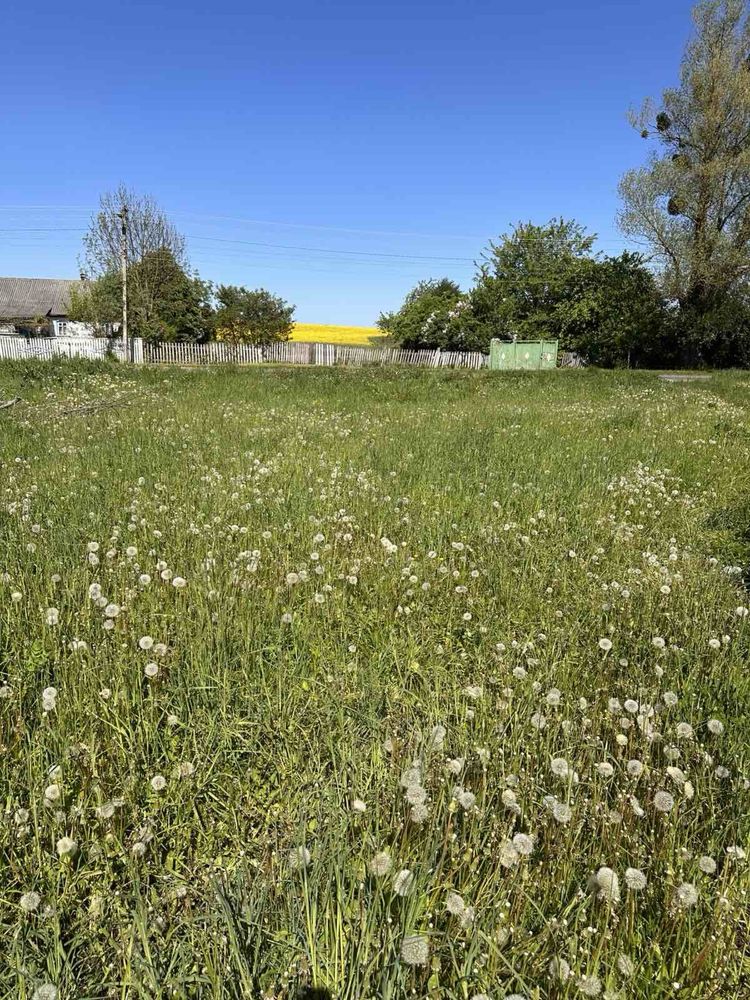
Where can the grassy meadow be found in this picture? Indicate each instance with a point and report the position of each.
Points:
(373, 684)
(322, 333)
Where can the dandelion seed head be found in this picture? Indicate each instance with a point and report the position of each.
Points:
(415, 949)
(381, 864)
(635, 879)
(403, 882)
(30, 901)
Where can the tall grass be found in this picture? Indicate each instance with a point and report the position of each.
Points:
(381, 684)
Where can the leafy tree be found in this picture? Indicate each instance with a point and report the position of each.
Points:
(251, 317)
(535, 282)
(155, 255)
(627, 321)
(691, 202)
(165, 303)
(435, 313)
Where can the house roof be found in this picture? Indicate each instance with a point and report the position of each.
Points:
(26, 298)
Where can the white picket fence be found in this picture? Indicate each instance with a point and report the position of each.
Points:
(292, 353)
(216, 353)
(45, 348)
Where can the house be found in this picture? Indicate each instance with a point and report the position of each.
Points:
(38, 307)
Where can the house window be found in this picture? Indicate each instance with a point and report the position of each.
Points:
(62, 327)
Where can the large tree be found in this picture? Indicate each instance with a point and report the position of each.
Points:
(150, 238)
(245, 316)
(435, 313)
(534, 282)
(165, 301)
(690, 203)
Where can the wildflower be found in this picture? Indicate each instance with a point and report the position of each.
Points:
(52, 794)
(605, 769)
(685, 896)
(560, 767)
(419, 813)
(635, 879)
(454, 904)
(538, 721)
(158, 782)
(456, 765)
(299, 857)
(562, 812)
(634, 768)
(735, 853)
(179, 582)
(626, 966)
(105, 811)
(358, 806)
(524, 843)
(670, 699)
(185, 769)
(145, 642)
(684, 731)
(508, 855)
(45, 992)
(151, 670)
(66, 847)
(559, 969)
(473, 691)
(415, 795)
(658, 642)
(707, 865)
(605, 645)
(52, 616)
(608, 884)
(415, 950)
(403, 882)
(589, 986)
(30, 901)
(411, 776)
(630, 706)
(715, 727)
(467, 800)
(714, 644)
(663, 801)
(381, 864)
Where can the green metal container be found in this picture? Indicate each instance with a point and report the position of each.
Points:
(534, 355)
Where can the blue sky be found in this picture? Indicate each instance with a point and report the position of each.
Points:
(332, 152)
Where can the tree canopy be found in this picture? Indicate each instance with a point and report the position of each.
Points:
(690, 203)
(251, 317)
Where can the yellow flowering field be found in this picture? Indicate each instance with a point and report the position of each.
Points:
(373, 684)
(320, 333)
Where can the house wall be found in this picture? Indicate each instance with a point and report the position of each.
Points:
(61, 327)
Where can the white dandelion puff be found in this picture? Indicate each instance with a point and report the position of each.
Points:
(415, 949)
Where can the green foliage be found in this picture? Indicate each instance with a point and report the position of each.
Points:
(691, 201)
(435, 314)
(164, 301)
(543, 282)
(536, 282)
(251, 317)
(626, 320)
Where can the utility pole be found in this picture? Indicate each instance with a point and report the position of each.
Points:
(123, 217)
